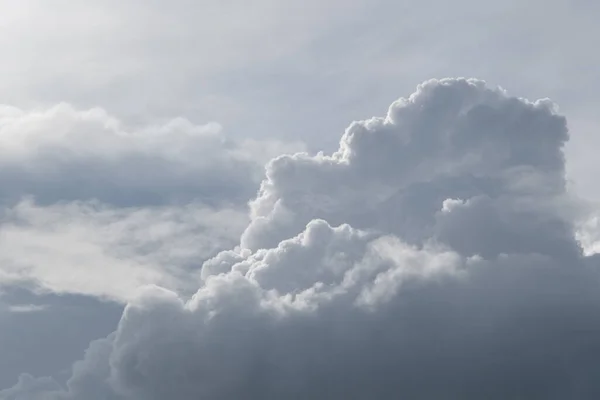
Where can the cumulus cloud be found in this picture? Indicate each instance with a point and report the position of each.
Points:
(62, 153)
(433, 255)
(450, 139)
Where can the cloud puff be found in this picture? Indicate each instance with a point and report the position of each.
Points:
(62, 154)
(450, 139)
(433, 255)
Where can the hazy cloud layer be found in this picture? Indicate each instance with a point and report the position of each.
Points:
(94, 207)
(88, 248)
(434, 255)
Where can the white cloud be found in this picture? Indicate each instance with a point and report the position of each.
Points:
(61, 154)
(490, 298)
(88, 248)
(588, 233)
(452, 138)
(94, 207)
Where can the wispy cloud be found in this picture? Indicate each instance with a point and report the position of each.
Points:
(26, 308)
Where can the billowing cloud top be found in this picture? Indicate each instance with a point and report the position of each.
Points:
(433, 255)
(450, 140)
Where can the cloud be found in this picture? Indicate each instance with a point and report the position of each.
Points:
(588, 232)
(154, 49)
(433, 255)
(63, 154)
(158, 58)
(450, 139)
(26, 308)
(91, 206)
(97, 250)
(29, 387)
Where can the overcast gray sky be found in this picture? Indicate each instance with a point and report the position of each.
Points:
(134, 133)
(295, 69)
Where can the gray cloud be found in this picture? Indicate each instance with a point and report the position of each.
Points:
(434, 255)
(46, 342)
(95, 207)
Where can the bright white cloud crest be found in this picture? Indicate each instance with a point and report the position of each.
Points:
(433, 255)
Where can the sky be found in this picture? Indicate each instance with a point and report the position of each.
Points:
(321, 199)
